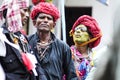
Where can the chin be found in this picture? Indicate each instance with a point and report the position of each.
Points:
(24, 24)
(80, 41)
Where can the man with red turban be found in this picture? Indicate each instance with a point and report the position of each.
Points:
(86, 35)
(53, 54)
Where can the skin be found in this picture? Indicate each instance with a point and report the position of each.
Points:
(44, 24)
(24, 15)
(81, 35)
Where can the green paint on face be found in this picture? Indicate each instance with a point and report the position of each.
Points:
(81, 35)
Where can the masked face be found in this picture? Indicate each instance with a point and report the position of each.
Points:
(81, 34)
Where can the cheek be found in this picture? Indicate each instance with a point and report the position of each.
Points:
(52, 25)
(37, 23)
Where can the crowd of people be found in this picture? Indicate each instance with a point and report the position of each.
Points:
(41, 55)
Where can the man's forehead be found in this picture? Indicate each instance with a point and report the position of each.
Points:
(44, 14)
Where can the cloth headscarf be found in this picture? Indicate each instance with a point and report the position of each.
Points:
(45, 7)
(13, 13)
(92, 27)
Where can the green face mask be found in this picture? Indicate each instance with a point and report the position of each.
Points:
(81, 34)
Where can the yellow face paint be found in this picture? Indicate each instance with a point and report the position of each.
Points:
(81, 34)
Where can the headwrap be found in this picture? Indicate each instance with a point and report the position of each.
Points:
(37, 1)
(92, 27)
(13, 13)
(45, 7)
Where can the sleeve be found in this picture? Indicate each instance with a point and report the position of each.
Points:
(69, 68)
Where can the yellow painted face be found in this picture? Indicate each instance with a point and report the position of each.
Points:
(81, 34)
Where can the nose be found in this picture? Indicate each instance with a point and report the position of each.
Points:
(45, 19)
(27, 14)
(79, 31)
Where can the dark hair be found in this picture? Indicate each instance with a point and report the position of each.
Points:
(4, 13)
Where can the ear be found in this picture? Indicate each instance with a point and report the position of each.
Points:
(54, 24)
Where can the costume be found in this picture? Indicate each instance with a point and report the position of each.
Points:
(12, 61)
(84, 64)
(57, 60)
(16, 57)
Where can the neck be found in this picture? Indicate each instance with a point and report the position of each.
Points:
(44, 37)
(82, 49)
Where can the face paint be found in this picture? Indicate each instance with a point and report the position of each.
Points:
(81, 34)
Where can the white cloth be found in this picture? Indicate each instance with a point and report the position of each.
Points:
(3, 39)
(97, 59)
(2, 74)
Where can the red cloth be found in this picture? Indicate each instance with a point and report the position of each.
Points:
(23, 32)
(27, 62)
(37, 1)
(92, 27)
(45, 7)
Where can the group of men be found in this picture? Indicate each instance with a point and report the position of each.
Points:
(42, 56)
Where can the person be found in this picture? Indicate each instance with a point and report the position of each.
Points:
(16, 57)
(53, 54)
(86, 35)
(110, 68)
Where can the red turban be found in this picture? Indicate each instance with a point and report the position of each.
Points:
(92, 27)
(37, 1)
(45, 7)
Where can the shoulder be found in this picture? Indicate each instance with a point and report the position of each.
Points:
(31, 37)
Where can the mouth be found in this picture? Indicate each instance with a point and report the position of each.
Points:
(77, 36)
(25, 21)
(44, 25)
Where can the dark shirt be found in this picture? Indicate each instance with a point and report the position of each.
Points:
(57, 60)
(12, 63)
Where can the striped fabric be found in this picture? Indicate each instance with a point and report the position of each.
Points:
(13, 13)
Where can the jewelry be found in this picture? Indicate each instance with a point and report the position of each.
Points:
(41, 50)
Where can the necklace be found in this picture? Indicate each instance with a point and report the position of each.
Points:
(42, 52)
(42, 48)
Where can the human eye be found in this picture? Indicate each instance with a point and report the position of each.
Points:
(84, 29)
(50, 18)
(76, 28)
(41, 17)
